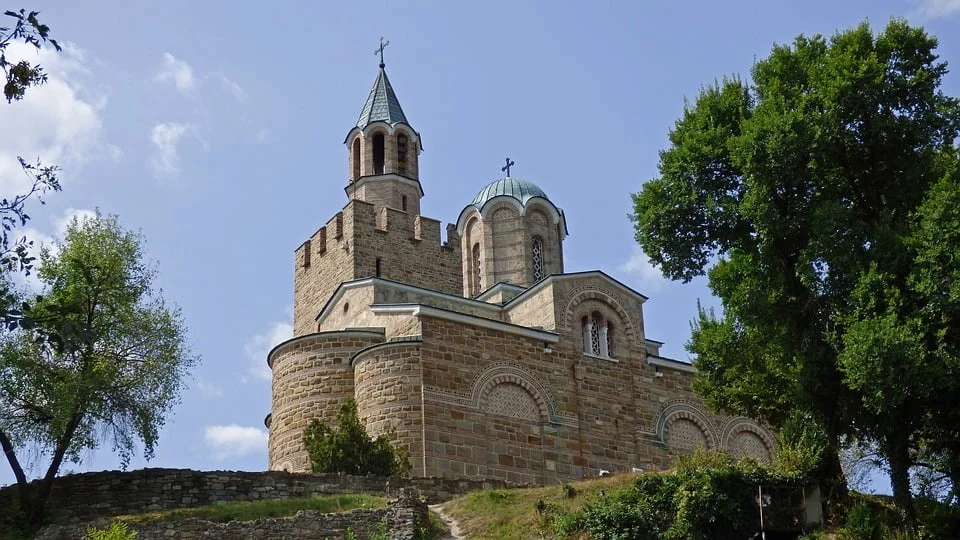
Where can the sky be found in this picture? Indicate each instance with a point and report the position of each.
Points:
(216, 129)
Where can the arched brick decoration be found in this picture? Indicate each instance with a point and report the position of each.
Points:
(572, 314)
(743, 437)
(675, 411)
(500, 374)
(512, 400)
(685, 435)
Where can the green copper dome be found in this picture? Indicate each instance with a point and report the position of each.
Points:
(518, 188)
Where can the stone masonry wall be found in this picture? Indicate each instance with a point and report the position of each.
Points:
(311, 376)
(388, 393)
(82, 497)
(407, 246)
(403, 520)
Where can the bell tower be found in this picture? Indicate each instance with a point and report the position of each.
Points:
(384, 151)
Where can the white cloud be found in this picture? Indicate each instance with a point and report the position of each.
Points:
(259, 346)
(57, 122)
(177, 71)
(165, 138)
(234, 440)
(231, 86)
(638, 265)
(263, 135)
(934, 9)
(209, 390)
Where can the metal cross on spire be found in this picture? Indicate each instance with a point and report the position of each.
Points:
(379, 50)
(507, 167)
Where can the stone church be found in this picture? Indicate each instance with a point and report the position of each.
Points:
(481, 354)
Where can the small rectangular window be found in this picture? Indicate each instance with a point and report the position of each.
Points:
(378, 266)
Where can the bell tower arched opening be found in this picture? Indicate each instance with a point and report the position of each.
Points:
(378, 153)
(357, 159)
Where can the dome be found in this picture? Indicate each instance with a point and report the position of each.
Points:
(518, 188)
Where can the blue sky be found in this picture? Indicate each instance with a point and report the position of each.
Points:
(216, 128)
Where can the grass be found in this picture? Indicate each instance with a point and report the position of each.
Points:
(246, 511)
(512, 513)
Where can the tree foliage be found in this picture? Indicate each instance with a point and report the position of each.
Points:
(103, 358)
(348, 449)
(821, 201)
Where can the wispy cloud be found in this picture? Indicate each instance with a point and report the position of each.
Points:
(234, 440)
(935, 9)
(178, 72)
(638, 266)
(231, 86)
(165, 138)
(208, 389)
(259, 345)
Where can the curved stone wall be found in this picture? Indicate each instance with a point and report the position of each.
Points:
(388, 392)
(311, 376)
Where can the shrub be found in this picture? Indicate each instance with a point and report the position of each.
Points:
(117, 530)
(348, 448)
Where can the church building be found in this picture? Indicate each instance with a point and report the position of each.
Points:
(482, 356)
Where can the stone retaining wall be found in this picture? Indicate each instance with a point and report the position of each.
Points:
(403, 520)
(82, 497)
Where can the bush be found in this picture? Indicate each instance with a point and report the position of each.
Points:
(708, 496)
(117, 530)
(349, 449)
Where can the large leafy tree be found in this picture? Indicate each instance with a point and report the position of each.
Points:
(103, 357)
(809, 197)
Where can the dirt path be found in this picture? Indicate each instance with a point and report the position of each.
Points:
(455, 533)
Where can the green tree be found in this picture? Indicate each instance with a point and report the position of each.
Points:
(800, 195)
(348, 448)
(102, 360)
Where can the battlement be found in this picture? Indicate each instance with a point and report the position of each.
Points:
(364, 241)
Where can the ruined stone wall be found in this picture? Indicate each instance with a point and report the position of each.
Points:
(401, 522)
(82, 497)
(311, 376)
(388, 392)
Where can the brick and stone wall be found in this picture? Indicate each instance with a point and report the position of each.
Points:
(82, 497)
(311, 376)
(388, 393)
(407, 246)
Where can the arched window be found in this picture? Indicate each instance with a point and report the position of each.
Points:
(476, 284)
(378, 153)
(597, 335)
(402, 155)
(356, 158)
(537, 258)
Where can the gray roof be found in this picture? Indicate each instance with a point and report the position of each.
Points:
(382, 104)
(518, 188)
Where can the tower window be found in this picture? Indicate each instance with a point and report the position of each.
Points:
(378, 153)
(475, 281)
(403, 203)
(597, 335)
(378, 266)
(402, 155)
(537, 258)
(356, 158)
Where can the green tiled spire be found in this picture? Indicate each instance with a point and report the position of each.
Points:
(382, 104)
